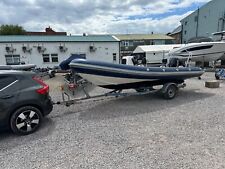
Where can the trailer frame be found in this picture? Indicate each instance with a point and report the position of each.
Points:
(168, 91)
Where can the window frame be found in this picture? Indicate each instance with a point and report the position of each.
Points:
(44, 56)
(114, 57)
(13, 59)
(54, 55)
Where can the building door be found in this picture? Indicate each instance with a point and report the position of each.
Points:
(114, 58)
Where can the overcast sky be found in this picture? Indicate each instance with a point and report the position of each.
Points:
(98, 16)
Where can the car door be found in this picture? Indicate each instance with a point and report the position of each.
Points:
(7, 93)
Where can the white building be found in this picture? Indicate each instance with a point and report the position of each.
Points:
(49, 51)
(203, 22)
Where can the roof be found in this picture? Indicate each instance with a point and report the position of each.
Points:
(46, 33)
(143, 37)
(155, 48)
(76, 38)
(176, 30)
(211, 1)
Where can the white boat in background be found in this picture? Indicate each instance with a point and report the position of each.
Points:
(221, 35)
(204, 51)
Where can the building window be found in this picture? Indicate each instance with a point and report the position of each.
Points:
(131, 43)
(46, 58)
(12, 59)
(126, 43)
(114, 56)
(185, 23)
(185, 32)
(83, 55)
(55, 58)
(79, 55)
(138, 41)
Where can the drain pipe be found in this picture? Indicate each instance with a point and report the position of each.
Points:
(197, 23)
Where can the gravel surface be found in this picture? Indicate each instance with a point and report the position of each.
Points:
(129, 132)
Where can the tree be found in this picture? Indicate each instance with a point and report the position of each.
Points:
(12, 30)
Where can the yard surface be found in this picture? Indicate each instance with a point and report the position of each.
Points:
(127, 132)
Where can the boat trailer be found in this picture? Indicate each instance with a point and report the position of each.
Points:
(168, 91)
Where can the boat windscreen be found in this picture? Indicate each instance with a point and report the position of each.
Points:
(197, 48)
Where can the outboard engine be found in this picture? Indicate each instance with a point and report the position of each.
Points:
(164, 61)
(143, 61)
(135, 60)
(139, 61)
(175, 62)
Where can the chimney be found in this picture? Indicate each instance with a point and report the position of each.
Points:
(49, 29)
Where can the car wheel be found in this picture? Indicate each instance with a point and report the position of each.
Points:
(25, 120)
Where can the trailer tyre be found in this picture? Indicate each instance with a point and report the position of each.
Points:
(170, 91)
(217, 77)
(51, 73)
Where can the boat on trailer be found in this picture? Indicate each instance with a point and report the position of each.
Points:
(119, 76)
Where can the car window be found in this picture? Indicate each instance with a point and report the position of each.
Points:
(5, 81)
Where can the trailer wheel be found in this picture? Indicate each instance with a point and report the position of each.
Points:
(217, 77)
(51, 73)
(170, 91)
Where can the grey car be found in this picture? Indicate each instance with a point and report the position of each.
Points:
(24, 101)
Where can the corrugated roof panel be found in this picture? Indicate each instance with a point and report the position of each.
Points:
(176, 30)
(143, 37)
(155, 48)
(28, 38)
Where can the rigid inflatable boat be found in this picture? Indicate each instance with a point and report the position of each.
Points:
(119, 76)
